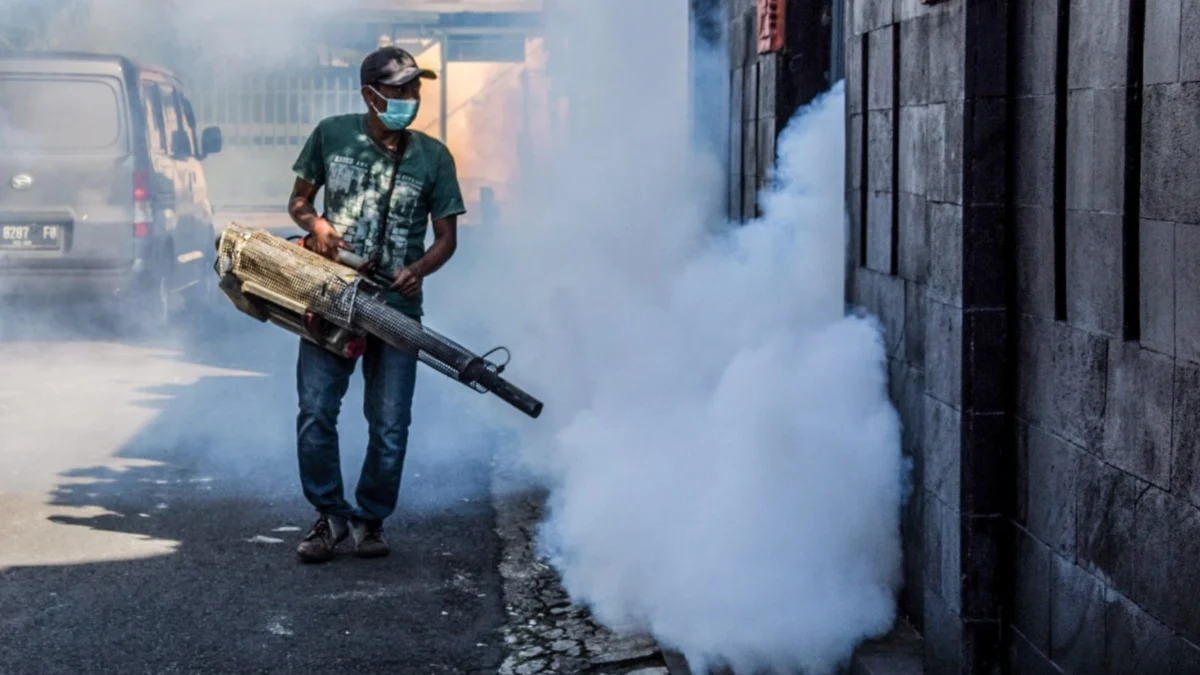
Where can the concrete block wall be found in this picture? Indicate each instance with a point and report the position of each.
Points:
(745, 149)
(767, 89)
(926, 193)
(1024, 226)
(1106, 529)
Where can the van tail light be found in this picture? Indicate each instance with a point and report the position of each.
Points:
(143, 213)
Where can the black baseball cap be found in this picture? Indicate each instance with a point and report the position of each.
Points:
(391, 66)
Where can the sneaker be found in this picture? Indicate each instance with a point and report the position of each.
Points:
(320, 544)
(368, 539)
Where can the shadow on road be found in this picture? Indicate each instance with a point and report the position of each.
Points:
(213, 475)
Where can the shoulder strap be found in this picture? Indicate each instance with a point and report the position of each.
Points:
(386, 207)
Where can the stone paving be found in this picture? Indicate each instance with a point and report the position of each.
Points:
(545, 632)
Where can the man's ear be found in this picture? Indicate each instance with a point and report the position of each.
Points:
(369, 97)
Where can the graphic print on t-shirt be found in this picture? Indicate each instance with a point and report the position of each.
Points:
(405, 199)
(356, 187)
(345, 175)
(357, 200)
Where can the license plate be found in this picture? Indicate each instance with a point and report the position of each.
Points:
(30, 237)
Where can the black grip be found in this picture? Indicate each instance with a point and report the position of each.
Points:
(511, 394)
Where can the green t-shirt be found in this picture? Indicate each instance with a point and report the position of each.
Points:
(356, 172)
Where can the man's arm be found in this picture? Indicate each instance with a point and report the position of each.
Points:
(445, 243)
(301, 204)
(325, 238)
(310, 176)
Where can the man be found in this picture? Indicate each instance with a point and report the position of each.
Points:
(383, 184)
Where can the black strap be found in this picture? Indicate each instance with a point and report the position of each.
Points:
(381, 235)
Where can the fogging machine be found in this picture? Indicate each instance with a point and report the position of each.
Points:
(339, 304)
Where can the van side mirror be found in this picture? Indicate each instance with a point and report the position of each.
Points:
(210, 141)
(181, 145)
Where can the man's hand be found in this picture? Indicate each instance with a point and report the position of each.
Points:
(408, 282)
(325, 239)
(445, 241)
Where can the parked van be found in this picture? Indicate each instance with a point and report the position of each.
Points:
(101, 186)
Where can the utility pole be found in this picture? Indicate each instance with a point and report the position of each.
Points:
(445, 85)
(524, 141)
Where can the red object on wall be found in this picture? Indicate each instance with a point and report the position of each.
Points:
(770, 25)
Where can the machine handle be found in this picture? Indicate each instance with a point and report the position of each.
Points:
(351, 260)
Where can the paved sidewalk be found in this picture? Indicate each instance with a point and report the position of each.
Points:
(897, 653)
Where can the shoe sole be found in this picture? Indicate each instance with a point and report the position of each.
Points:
(326, 558)
(372, 554)
(319, 558)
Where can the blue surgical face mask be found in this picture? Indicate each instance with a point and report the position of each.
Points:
(400, 112)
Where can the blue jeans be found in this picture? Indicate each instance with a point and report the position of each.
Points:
(322, 379)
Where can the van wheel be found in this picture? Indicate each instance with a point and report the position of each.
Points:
(210, 290)
(153, 303)
(202, 298)
(161, 309)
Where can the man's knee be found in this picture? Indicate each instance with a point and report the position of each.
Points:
(321, 383)
(319, 411)
(391, 381)
(389, 416)
(319, 398)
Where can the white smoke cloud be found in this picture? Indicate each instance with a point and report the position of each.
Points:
(724, 463)
(234, 37)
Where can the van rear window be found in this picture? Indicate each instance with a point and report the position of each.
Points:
(58, 114)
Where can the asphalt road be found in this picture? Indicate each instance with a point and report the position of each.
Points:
(149, 510)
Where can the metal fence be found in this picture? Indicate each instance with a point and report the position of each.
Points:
(276, 109)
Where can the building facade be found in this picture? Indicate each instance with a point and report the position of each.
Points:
(1022, 222)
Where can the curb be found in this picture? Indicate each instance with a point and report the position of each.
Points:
(676, 664)
(900, 652)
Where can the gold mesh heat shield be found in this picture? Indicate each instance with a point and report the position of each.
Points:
(280, 271)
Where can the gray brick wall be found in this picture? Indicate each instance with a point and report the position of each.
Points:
(1043, 319)
(1105, 522)
(766, 90)
(906, 109)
